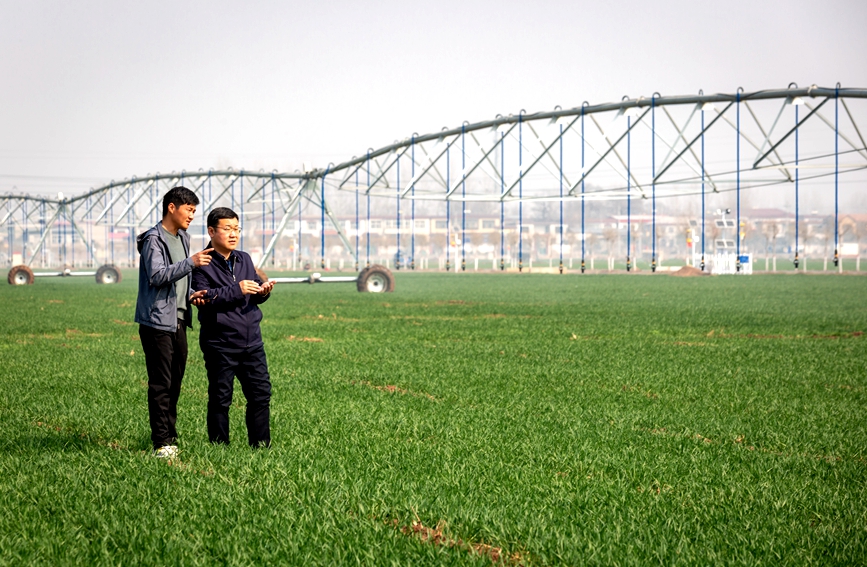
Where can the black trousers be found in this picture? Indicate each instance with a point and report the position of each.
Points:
(251, 368)
(166, 360)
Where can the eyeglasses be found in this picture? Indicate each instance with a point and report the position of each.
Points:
(229, 229)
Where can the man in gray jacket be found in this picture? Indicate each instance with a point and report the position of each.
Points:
(163, 311)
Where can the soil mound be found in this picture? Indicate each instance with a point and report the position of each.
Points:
(688, 272)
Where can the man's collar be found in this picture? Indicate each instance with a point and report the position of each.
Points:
(167, 231)
(230, 258)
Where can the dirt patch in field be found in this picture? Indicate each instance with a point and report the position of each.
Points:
(305, 339)
(689, 272)
(437, 536)
(723, 335)
(840, 336)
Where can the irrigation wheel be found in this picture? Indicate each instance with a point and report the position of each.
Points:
(108, 274)
(20, 275)
(375, 279)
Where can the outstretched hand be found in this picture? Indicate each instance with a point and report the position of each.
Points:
(266, 288)
(202, 258)
(198, 298)
(249, 287)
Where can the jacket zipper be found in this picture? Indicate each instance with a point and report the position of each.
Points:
(231, 265)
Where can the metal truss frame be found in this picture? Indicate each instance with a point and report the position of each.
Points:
(515, 158)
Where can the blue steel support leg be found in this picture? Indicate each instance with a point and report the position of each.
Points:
(322, 221)
(583, 237)
(463, 200)
(357, 226)
(398, 258)
(628, 192)
(703, 208)
(653, 189)
(412, 221)
(797, 197)
(738, 222)
(561, 199)
(448, 208)
(837, 176)
(502, 203)
(520, 193)
(367, 194)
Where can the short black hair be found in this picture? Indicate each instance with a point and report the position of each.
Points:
(216, 215)
(179, 196)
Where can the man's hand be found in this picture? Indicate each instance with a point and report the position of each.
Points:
(249, 287)
(266, 288)
(198, 298)
(202, 258)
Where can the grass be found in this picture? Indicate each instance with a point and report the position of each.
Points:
(463, 419)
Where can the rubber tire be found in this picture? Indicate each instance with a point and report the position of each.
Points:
(20, 275)
(108, 274)
(375, 279)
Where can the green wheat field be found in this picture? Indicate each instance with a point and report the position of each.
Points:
(469, 419)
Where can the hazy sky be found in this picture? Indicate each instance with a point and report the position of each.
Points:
(100, 90)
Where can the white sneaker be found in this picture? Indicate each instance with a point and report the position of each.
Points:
(166, 452)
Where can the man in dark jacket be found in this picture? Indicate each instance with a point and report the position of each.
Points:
(230, 337)
(162, 311)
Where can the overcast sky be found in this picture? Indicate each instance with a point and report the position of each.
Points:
(100, 90)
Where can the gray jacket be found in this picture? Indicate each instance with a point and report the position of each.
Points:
(157, 303)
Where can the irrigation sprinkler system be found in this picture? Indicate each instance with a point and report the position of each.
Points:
(637, 151)
(23, 275)
(372, 279)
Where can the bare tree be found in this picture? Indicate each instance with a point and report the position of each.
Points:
(715, 232)
(592, 240)
(745, 231)
(377, 242)
(611, 236)
(476, 239)
(859, 231)
(573, 240)
(684, 230)
(422, 241)
(826, 236)
(770, 230)
(806, 231)
(440, 242)
(512, 241)
(662, 244)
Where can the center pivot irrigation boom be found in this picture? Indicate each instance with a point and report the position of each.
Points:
(636, 151)
(373, 279)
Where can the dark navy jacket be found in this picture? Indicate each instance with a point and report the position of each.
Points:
(230, 319)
